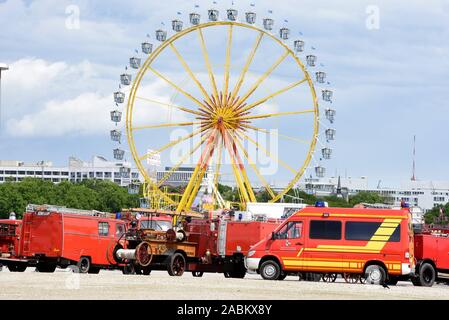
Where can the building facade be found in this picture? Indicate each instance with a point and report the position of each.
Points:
(76, 171)
(423, 194)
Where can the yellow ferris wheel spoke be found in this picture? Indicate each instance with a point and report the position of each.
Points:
(189, 71)
(275, 133)
(164, 125)
(271, 96)
(227, 66)
(171, 144)
(188, 95)
(239, 168)
(218, 163)
(183, 204)
(263, 77)
(279, 114)
(239, 83)
(183, 159)
(171, 106)
(282, 163)
(253, 166)
(208, 65)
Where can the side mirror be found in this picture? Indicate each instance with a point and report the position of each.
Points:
(273, 236)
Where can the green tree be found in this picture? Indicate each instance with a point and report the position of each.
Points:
(366, 197)
(432, 216)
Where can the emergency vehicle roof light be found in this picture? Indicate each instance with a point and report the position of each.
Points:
(320, 204)
(405, 205)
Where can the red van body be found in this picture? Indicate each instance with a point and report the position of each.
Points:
(337, 240)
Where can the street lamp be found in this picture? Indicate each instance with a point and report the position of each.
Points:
(3, 67)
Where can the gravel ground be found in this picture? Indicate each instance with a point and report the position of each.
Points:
(159, 285)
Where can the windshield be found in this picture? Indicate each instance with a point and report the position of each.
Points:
(156, 225)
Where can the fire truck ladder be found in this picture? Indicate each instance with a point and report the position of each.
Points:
(61, 209)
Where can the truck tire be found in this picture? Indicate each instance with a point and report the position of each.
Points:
(94, 270)
(176, 265)
(375, 274)
(83, 265)
(46, 267)
(146, 271)
(270, 270)
(426, 276)
(17, 267)
(129, 269)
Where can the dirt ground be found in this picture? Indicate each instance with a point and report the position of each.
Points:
(159, 285)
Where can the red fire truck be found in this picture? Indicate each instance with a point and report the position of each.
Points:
(432, 255)
(216, 245)
(376, 244)
(9, 240)
(54, 236)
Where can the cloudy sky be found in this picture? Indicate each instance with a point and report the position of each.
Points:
(388, 63)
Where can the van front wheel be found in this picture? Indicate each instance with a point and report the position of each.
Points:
(375, 274)
(270, 270)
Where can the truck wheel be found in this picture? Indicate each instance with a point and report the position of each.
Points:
(197, 274)
(46, 267)
(329, 277)
(19, 267)
(94, 270)
(83, 265)
(375, 274)
(177, 265)
(146, 271)
(427, 275)
(270, 270)
(129, 269)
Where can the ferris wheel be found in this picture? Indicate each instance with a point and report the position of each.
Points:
(232, 96)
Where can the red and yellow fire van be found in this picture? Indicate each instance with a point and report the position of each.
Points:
(376, 244)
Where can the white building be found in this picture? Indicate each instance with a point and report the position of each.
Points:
(181, 176)
(76, 171)
(423, 194)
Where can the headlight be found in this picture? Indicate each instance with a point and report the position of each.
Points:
(251, 253)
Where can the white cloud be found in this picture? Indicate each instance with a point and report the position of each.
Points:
(85, 114)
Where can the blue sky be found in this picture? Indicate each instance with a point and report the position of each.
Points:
(390, 83)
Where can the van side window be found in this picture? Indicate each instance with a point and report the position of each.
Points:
(366, 230)
(328, 230)
(291, 230)
(103, 228)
